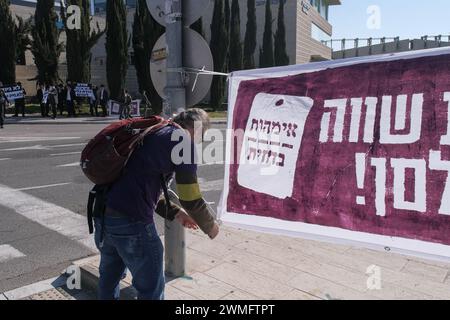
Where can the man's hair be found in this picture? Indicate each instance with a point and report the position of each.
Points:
(187, 119)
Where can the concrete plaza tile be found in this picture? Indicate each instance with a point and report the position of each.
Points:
(211, 247)
(249, 281)
(294, 242)
(172, 293)
(437, 290)
(285, 256)
(197, 261)
(203, 286)
(383, 259)
(248, 234)
(326, 289)
(354, 280)
(224, 237)
(260, 265)
(296, 294)
(428, 271)
(240, 295)
(389, 291)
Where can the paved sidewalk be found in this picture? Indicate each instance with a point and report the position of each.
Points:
(242, 264)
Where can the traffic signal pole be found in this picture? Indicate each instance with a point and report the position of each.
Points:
(174, 236)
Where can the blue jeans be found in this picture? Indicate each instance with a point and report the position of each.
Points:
(132, 245)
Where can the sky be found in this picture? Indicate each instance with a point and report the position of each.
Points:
(404, 18)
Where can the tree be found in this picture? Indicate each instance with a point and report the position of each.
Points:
(280, 56)
(116, 47)
(226, 36)
(80, 42)
(267, 59)
(146, 31)
(235, 38)
(219, 52)
(45, 45)
(7, 45)
(250, 36)
(23, 41)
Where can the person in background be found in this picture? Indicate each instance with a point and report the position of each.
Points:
(3, 102)
(20, 103)
(40, 98)
(69, 94)
(125, 105)
(93, 102)
(47, 103)
(60, 98)
(102, 98)
(52, 99)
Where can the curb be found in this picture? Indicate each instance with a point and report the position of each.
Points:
(34, 288)
(90, 277)
(82, 122)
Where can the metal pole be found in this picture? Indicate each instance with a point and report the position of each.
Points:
(175, 244)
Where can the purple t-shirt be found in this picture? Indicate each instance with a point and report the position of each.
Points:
(137, 191)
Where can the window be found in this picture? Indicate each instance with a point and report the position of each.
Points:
(318, 34)
(321, 7)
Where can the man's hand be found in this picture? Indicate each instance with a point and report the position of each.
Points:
(214, 232)
(185, 220)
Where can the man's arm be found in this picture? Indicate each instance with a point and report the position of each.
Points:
(161, 209)
(192, 201)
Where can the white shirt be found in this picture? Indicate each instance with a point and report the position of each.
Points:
(69, 98)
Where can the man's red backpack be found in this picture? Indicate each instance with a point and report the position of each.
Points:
(103, 159)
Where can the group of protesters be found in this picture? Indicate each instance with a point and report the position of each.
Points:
(4, 101)
(63, 97)
(54, 99)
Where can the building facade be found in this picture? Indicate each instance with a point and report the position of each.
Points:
(306, 23)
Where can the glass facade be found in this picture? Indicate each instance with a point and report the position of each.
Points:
(321, 7)
(100, 5)
(318, 34)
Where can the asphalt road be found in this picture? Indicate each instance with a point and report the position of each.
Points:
(43, 193)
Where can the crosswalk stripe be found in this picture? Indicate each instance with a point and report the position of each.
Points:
(75, 164)
(8, 253)
(51, 216)
(64, 154)
(67, 145)
(43, 187)
(34, 139)
(36, 147)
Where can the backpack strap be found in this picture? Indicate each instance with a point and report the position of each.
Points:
(90, 209)
(166, 194)
(142, 135)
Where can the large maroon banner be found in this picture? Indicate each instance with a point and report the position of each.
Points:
(364, 147)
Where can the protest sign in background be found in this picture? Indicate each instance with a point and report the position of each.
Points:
(135, 106)
(13, 92)
(354, 150)
(83, 90)
(114, 108)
